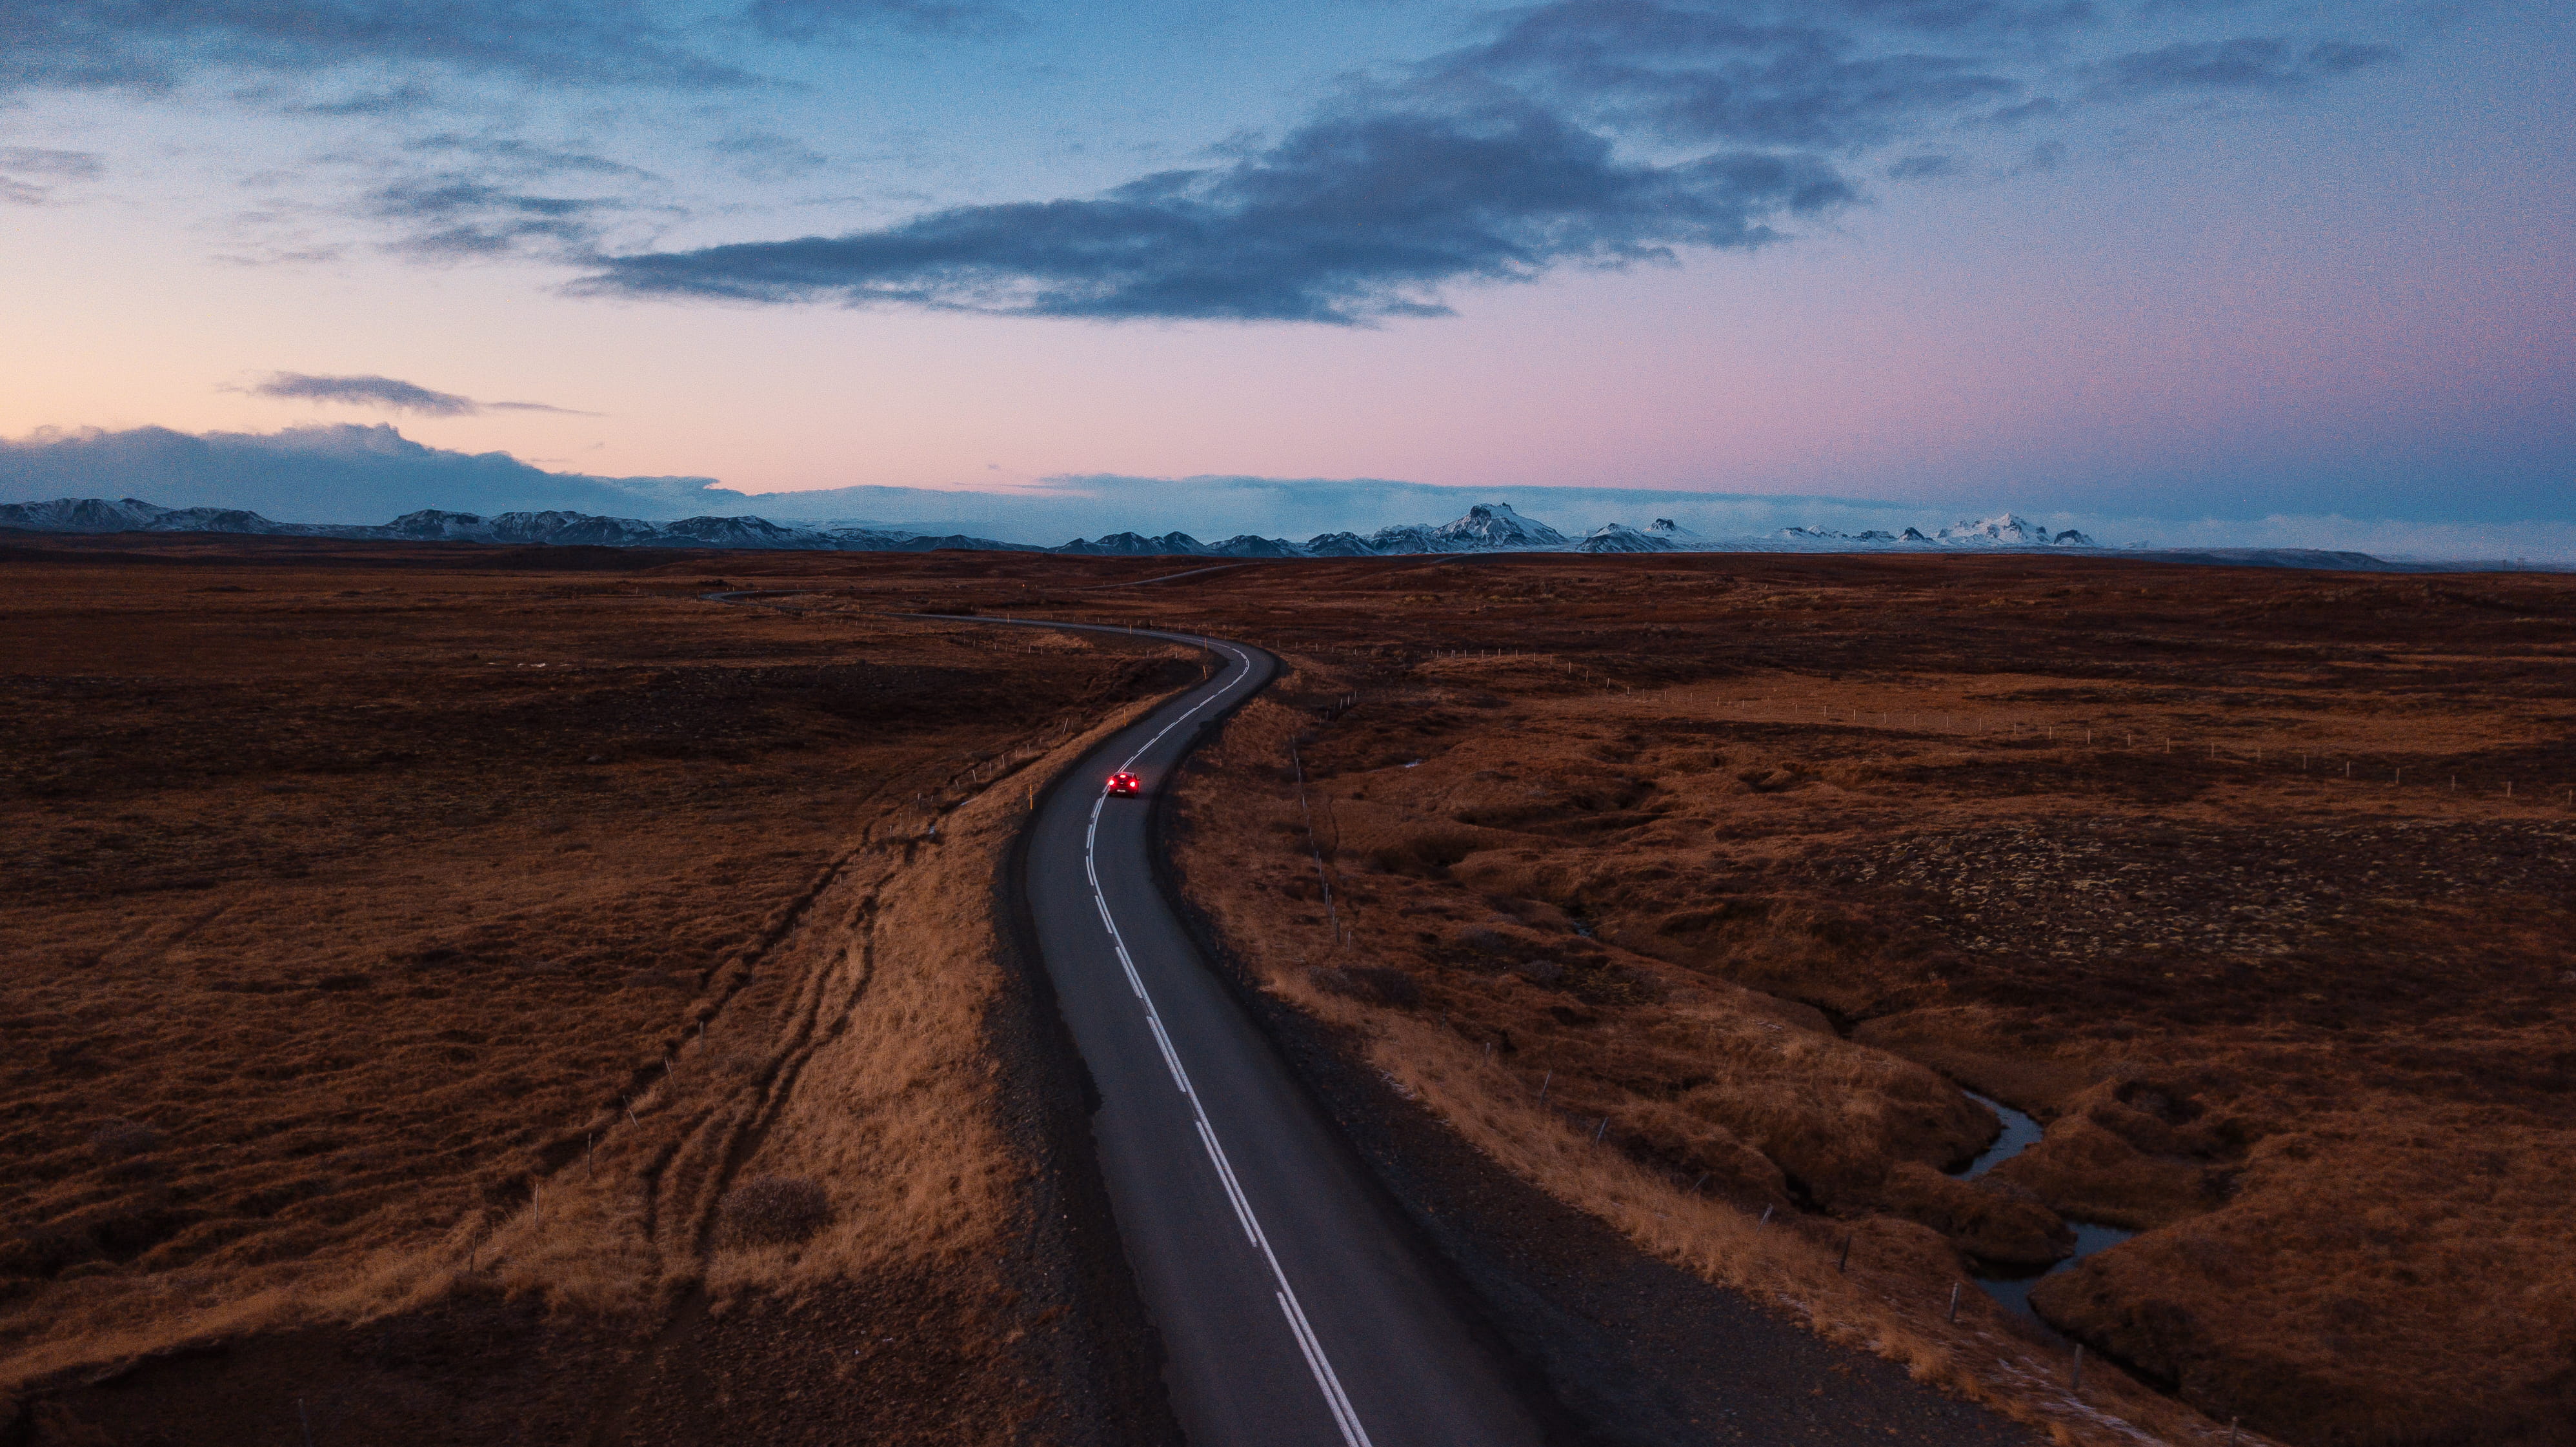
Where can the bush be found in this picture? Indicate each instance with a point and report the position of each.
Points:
(118, 1140)
(772, 1211)
(1377, 986)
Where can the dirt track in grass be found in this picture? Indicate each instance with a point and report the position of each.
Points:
(411, 951)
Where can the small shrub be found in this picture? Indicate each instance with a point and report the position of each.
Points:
(118, 1140)
(772, 1211)
(1376, 986)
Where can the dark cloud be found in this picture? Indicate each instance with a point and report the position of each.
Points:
(1567, 132)
(1743, 75)
(1363, 213)
(2039, 160)
(458, 218)
(518, 156)
(1923, 166)
(391, 394)
(29, 174)
(763, 156)
(805, 20)
(401, 100)
(154, 44)
(1577, 132)
(2247, 63)
(1957, 17)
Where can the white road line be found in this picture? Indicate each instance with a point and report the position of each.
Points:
(1345, 1416)
(1341, 1405)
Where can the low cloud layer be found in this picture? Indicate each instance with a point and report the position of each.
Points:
(328, 474)
(371, 474)
(389, 394)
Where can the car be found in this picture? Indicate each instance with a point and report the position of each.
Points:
(1124, 782)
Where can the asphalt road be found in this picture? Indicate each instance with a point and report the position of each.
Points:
(1293, 1308)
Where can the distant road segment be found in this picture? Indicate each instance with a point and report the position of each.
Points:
(1293, 1307)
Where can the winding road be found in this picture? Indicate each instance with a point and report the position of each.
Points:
(1293, 1307)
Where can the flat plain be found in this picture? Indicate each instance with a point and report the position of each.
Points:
(465, 997)
(1697, 888)
(361, 891)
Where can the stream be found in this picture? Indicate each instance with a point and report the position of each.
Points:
(2020, 1133)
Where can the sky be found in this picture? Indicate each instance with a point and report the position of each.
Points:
(2169, 270)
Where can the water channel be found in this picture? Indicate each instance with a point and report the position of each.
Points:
(2020, 1133)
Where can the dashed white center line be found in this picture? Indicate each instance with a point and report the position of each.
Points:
(1345, 1417)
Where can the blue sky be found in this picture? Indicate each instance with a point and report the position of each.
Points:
(2165, 268)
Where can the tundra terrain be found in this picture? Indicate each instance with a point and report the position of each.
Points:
(1695, 889)
(456, 996)
(1680, 897)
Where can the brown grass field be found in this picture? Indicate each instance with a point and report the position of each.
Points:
(344, 935)
(1751, 862)
(420, 965)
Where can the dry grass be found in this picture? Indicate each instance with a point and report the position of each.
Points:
(1735, 873)
(365, 972)
(1684, 1175)
(337, 959)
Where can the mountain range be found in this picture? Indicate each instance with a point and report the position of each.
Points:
(1486, 528)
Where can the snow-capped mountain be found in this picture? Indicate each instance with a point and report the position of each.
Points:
(1494, 527)
(133, 515)
(2005, 530)
(1246, 545)
(1828, 540)
(1621, 538)
(1137, 545)
(1485, 528)
(1339, 545)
